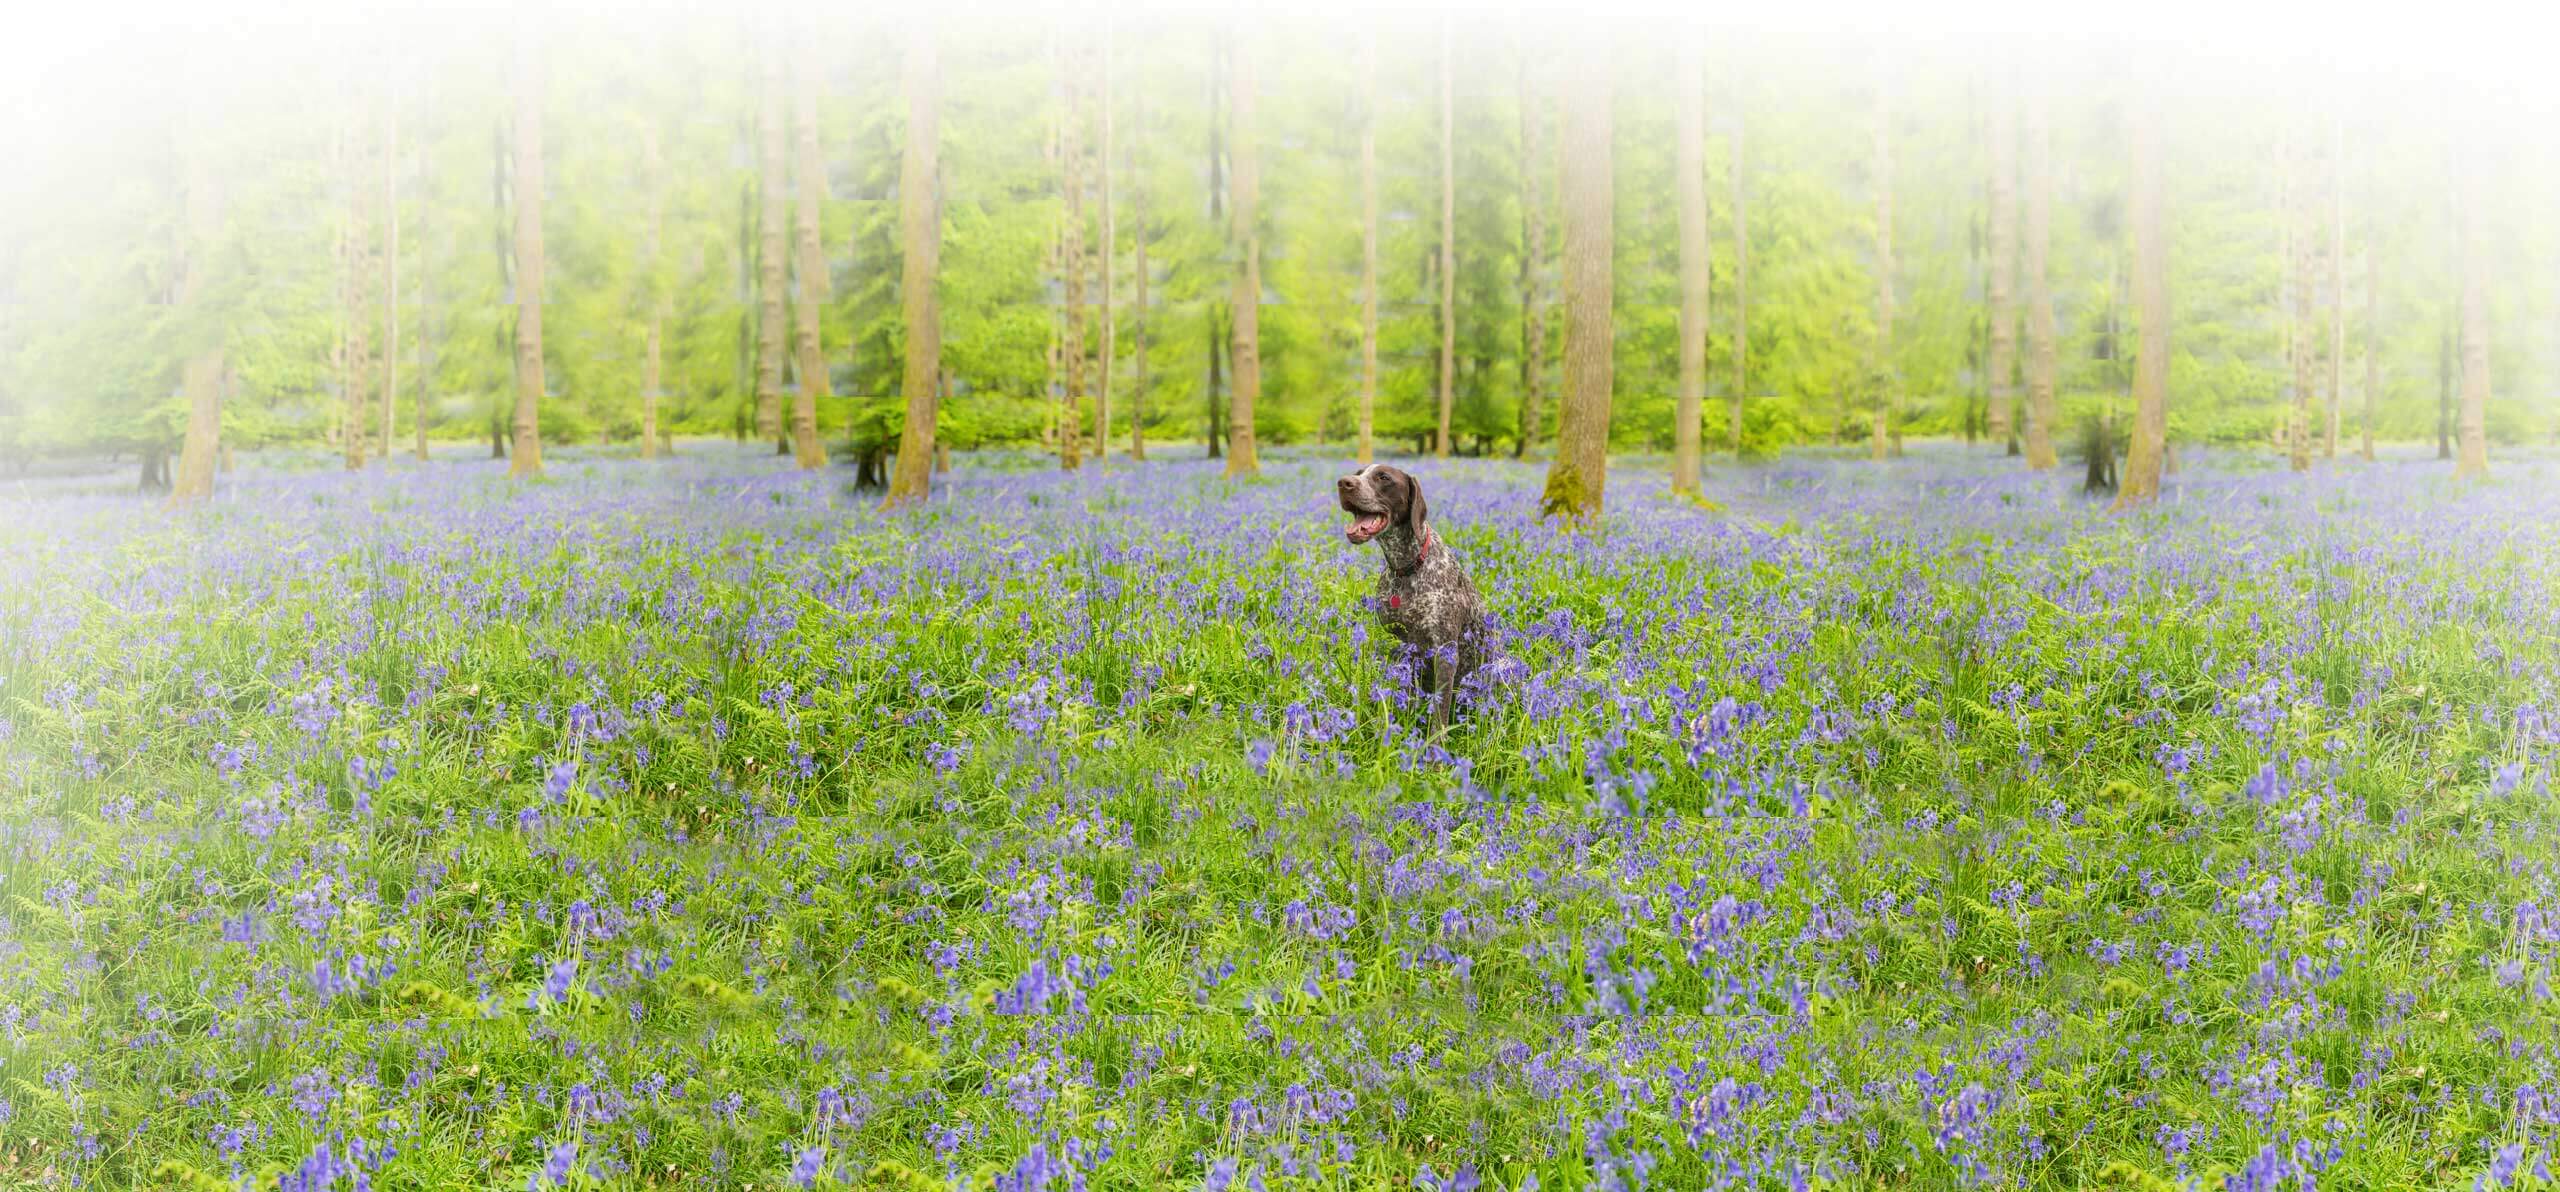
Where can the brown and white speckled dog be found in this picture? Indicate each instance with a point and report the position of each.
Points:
(1425, 598)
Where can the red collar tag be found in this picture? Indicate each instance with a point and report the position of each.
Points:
(1395, 602)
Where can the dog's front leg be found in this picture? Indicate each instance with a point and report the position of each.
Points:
(1444, 690)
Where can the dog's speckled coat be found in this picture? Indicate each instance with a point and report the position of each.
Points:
(1425, 598)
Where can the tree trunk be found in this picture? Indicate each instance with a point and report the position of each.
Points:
(2141, 475)
(357, 382)
(1689, 97)
(654, 290)
(529, 384)
(1536, 176)
(501, 182)
(2042, 349)
(920, 221)
(1741, 278)
(1109, 260)
(812, 266)
(1071, 263)
(2337, 275)
(769, 251)
(428, 332)
(391, 270)
(2372, 331)
(2298, 311)
(2472, 431)
(1889, 395)
(1578, 477)
(1448, 238)
(1369, 243)
(2004, 257)
(1138, 308)
(1246, 232)
(202, 374)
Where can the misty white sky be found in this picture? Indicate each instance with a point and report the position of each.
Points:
(70, 65)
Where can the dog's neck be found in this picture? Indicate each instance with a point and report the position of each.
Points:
(1404, 548)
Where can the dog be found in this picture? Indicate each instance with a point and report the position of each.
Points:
(1425, 598)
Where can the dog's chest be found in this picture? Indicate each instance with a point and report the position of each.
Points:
(1424, 605)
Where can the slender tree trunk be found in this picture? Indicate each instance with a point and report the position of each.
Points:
(1071, 261)
(1109, 260)
(1448, 239)
(1216, 105)
(357, 400)
(1577, 479)
(1368, 242)
(1138, 308)
(1689, 97)
(654, 165)
(391, 270)
(1246, 231)
(529, 383)
(2042, 349)
(773, 189)
(2472, 430)
(2372, 332)
(2298, 430)
(501, 185)
(806, 451)
(2337, 275)
(202, 375)
(1741, 278)
(920, 222)
(2141, 476)
(2004, 256)
(428, 332)
(1536, 176)
(1889, 396)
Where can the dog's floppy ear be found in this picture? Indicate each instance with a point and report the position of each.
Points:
(1414, 509)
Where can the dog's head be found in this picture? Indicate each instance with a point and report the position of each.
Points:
(1379, 496)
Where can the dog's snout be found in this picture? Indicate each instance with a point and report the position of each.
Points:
(1343, 485)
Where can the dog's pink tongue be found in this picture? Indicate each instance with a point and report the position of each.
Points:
(1365, 529)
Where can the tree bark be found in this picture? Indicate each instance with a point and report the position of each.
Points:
(1071, 263)
(1889, 396)
(2004, 256)
(391, 270)
(2042, 348)
(1688, 95)
(1448, 238)
(654, 289)
(1138, 301)
(1741, 278)
(920, 222)
(1578, 477)
(428, 332)
(2472, 431)
(1246, 230)
(1368, 244)
(2141, 476)
(357, 380)
(806, 451)
(2337, 275)
(2297, 241)
(1537, 175)
(1109, 260)
(527, 457)
(769, 252)
(202, 375)
(2372, 332)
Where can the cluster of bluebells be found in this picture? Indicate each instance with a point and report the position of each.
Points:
(1915, 825)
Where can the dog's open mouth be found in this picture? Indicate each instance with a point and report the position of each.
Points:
(1365, 527)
